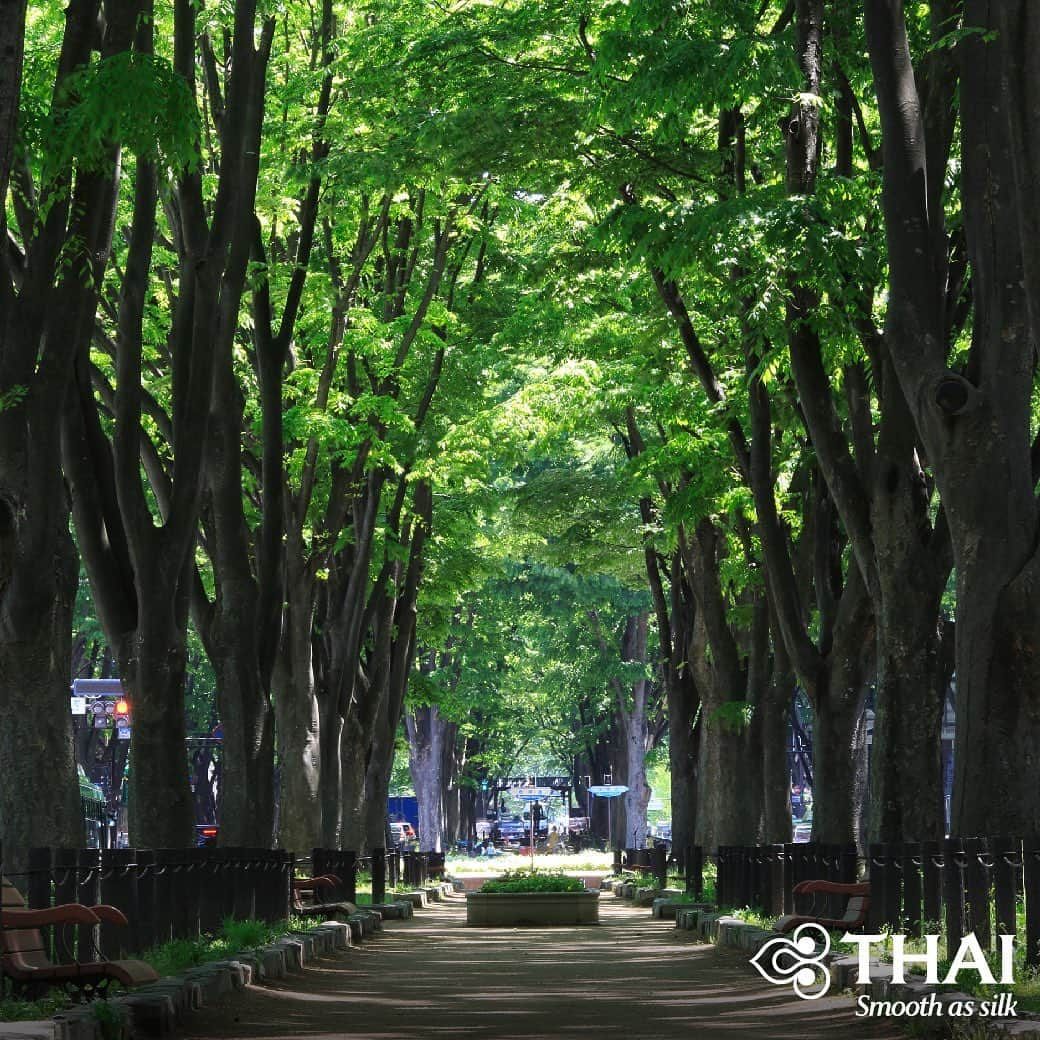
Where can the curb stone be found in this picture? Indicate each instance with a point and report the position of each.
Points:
(157, 1008)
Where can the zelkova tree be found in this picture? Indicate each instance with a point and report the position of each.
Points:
(974, 417)
(60, 178)
(742, 678)
(139, 543)
(876, 479)
(359, 506)
(241, 625)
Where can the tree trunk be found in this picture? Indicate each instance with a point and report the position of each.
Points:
(331, 783)
(426, 731)
(773, 716)
(352, 778)
(975, 426)
(297, 724)
(377, 792)
(638, 795)
(838, 764)
(683, 742)
(153, 668)
(247, 778)
(36, 746)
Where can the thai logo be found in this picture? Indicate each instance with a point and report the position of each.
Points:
(797, 961)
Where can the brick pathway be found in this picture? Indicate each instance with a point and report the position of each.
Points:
(631, 978)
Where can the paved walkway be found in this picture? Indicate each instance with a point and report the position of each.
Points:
(631, 978)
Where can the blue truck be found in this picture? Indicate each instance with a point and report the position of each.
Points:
(403, 808)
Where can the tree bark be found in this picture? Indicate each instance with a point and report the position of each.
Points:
(426, 735)
(44, 322)
(975, 425)
(297, 723)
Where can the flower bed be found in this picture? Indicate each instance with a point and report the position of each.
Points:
(533, 898)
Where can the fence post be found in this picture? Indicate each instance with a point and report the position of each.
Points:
(1005, 857)
(379, 875)
(878, 880)
(349, 876)
(953, 890)
(88, 863)
(912, 887)
(285, 876)
(976, 891)
(1031, 887)
(931, 883)
(660, 863)
(144, 925)
(164, 895)
(64, 892)
(210, 897)
(38, 888)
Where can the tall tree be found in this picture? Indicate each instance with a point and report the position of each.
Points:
(62, 189)
(975, 419)
(142, 571)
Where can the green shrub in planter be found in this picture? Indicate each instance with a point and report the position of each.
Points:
(515, 881)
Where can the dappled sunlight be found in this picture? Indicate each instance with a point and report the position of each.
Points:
(434, 976)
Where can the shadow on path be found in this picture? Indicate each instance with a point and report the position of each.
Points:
(631, 978)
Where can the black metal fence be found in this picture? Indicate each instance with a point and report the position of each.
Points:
(655, 863)
(959, 885)
(171, 894)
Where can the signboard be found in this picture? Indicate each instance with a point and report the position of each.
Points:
(123, 733)
(534, 794)
(79, 705)
(608, 790)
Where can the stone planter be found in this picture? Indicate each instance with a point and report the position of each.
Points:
(537, 908)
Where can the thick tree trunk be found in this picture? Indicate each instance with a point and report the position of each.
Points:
(906, 802)
(377, 793)
(773, 718)
(638, 795)
(247, 776)
(706, 834)
(352, 780)
(426, 731)
(738, 785)
(683, 741)
(331, 730)
(36, 747)
(247, 770)
(153, 668)
(297, 727)
(839, 764)
(976, 426)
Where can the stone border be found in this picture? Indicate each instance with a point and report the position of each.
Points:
(158, 1008)
(734, 933)
(508, 909)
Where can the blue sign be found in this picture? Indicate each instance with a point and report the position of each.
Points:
(608, 790)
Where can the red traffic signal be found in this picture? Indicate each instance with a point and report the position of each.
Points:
(122, 706)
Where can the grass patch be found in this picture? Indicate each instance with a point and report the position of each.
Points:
(235, 936)
(535, 881)
(13, 1009)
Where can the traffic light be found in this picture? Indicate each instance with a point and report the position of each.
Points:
(122, 708)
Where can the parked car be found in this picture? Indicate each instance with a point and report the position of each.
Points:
(403, 833)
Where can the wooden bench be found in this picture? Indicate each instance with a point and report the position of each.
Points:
(856, 908)
(313, 908)
(23, 953)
